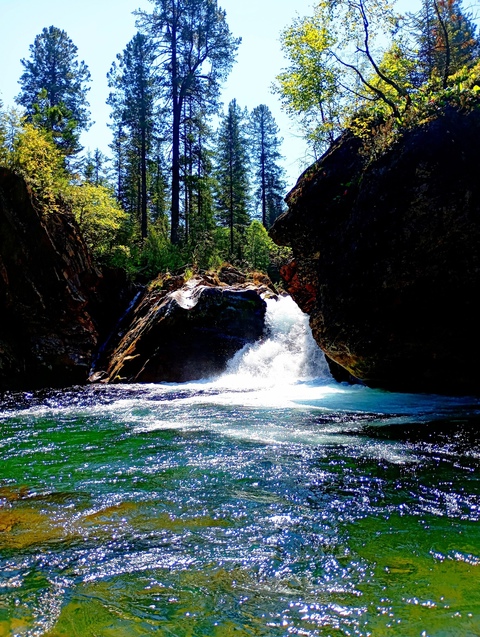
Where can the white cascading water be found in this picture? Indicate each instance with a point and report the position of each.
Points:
(287, 354)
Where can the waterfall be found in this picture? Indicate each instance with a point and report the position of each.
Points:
(286, 354)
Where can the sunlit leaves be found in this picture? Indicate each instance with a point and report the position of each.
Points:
(356, 63)
(34, 155)
(98, 215)
(332, 55)
(258, 246)
(31, 152)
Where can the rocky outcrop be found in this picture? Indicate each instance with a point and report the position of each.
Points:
(179, 331)
(387, 260)
(55, 305)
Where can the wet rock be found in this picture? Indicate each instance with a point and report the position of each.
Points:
(386, 257)
(184, 334)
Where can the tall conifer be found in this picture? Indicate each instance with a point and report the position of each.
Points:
(267, 172)
(133, 100)
(232, 171)
(195, 51)
(54, 88)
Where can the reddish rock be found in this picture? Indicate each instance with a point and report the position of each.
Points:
(302, 291)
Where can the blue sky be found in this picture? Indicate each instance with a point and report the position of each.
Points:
(101, 29)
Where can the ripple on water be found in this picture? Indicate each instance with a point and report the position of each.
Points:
(190, 511)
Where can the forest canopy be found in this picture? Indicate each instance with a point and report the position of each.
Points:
(191, 182)
(357, 63)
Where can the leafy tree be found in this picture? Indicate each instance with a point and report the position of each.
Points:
(232, 169)
(133, 100)
(355, 63)
(332, 61)
(258, 246)
(195, 53)
(35, 156)
(54, 88)
(99, 216)
(268, 174)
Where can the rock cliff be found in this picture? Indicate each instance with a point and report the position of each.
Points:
(386, 256)
(54, 304)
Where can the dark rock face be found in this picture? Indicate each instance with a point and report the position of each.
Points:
(187, 333)
(52, 298)
(387, 258)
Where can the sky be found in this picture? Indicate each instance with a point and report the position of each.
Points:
(101, 28)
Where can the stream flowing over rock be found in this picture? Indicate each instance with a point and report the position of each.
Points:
(55, 306)
(178, 331)
(386, 257)
(59, 313)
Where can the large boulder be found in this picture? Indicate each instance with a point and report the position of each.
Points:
(178, 331)
(54, 304)
(386, 256)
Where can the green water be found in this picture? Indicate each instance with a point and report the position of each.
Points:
(201, 510)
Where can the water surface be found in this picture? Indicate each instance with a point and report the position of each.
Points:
(269, 502)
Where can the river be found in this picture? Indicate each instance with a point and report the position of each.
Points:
(268, 502)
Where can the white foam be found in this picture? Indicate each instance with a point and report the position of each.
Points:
(286, 355)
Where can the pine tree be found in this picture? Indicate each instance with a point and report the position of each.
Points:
(133, 109)
(195, 53)
(267, 173)
(447, 38)
(3, 135)
(95, 168)
(54, 88)
(232, 168)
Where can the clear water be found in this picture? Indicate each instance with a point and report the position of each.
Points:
(269, 502)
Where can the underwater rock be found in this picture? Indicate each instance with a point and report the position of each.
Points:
(386, 259)
(182, 334)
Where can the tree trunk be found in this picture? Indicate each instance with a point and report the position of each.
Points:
(143, 170)
(177, 112)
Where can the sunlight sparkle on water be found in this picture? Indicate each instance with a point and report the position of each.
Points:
(270, 501)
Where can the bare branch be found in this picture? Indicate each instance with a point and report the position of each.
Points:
(375, 90)
(401, 91)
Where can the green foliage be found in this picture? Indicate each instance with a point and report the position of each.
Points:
(99, 216)
(268, 175)
(232, 197)
(195, 54)
(446, 37)
(158, 254)
(331, 58)
(428, 102)
(261, 253)
(32, 153)
(258, 246)
(204, 252)
(309, 88)
(342, 75)
(135, 89)
(95, 169)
